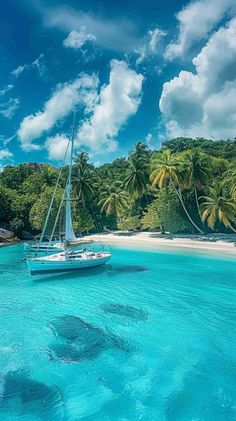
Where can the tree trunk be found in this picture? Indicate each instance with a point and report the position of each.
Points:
(198, 207)
(197, 202)
(232, 228)
(161, 226)
(178, 192)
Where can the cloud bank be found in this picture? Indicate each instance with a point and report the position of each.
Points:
(105, 112)
(202, 103)
(118, 100)
(57, 146)
(62, 102)
(196, 21)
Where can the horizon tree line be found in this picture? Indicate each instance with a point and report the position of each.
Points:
(184, 187)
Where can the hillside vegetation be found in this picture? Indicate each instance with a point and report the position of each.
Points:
(189, 186)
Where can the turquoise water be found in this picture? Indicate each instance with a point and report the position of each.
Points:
(152, 337)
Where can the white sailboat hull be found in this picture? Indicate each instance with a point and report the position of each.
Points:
(53, 247)
(42, 248)
(59, 263)
(68, 259)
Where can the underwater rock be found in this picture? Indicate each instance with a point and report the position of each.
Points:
(116, 270)
(74, 328)
(82, 341)
(131, 312)
(30, 394)
(71, 353)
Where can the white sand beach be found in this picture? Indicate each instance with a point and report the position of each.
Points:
(155, 240)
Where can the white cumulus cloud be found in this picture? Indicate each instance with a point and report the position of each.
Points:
(202, 103)
(77, 39)
(196, 21)
(119, 99)
(63, 100)
(5, 153)
(57, 146)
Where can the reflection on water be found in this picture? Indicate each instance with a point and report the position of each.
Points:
(148, 337)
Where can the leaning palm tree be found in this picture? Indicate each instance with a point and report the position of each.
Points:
(137, 178)
(217, 207)
(196, 172)
(113, 201)
(167, 170)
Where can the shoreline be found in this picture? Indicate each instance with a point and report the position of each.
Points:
(9, 243)
(156, 241)
(213, 242)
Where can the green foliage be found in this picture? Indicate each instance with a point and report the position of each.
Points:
(171, 214)
(217, 206)
(13, 177)
(40, 207)
(85, 180)
(137, 178)
(17, 225)
(84, 222)
(218, 166)
(129, 223)
(151, 219)
(219, 148)
(6, 197)
(166, 189)
(113, 201)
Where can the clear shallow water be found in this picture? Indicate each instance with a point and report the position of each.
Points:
(166, 353)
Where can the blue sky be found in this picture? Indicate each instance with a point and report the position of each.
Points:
(132, 70)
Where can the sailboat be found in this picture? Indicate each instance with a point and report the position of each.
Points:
(69, 259)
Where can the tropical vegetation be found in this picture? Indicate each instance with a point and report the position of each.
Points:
(188, 186)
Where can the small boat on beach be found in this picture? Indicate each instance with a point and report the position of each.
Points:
(66, 257)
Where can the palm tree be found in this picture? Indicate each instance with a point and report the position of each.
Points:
(113, 201)
(137, 178)
(82, 161)
(216, 207)
(85, 179)
(140, 150)
(196, 172)
(167, 169)
(231, 179)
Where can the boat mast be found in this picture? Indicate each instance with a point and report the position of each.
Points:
(69, 233)
(53, 198)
